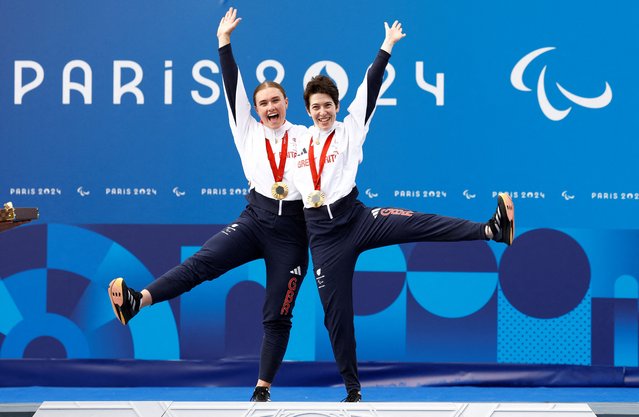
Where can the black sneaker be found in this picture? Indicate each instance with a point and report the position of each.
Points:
(261, 395)
(124, 300)
(354, 396)
(502, 224)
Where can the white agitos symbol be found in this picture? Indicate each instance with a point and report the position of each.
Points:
(82, 192)
(516, 79)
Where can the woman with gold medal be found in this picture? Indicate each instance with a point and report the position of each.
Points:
(340, 227)
(271, 227)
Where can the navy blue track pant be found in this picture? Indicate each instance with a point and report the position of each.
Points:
(259, 232)
(336, 244)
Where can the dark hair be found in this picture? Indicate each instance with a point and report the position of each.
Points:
(267, 84)
(320, 84)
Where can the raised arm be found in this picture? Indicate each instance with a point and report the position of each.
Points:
(238, 104)
(375, 74)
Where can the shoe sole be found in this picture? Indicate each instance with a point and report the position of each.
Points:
(504, 202)
(115, 295)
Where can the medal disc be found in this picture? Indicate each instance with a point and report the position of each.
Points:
(279, 190)
(315, 198)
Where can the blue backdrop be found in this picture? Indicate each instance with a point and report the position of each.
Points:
(113, 123)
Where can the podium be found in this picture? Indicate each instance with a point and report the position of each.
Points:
(11, 217)
(308, 409)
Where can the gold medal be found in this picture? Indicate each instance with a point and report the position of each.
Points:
(279, 190)
(316, 198)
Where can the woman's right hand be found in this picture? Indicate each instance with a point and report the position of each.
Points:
(227, 25)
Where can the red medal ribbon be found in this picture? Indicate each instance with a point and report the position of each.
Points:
(317, 176)
(278, 172)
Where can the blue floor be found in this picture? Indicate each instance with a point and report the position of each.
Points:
(372, 394)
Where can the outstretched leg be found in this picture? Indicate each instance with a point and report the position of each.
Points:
(233, 246)
(388, 226)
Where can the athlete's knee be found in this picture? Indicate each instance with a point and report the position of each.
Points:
(278, 326)
(339, 322)
(205, 268)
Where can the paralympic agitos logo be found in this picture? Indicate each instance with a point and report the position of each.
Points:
(550, 111)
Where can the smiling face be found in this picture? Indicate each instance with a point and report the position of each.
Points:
(271, 105)
(322, 110)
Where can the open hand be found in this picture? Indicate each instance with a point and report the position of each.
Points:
(394, 33)
(228, 23)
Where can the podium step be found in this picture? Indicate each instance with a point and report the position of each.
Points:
(308, 409)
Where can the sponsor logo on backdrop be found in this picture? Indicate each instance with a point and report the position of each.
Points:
(567, 196)
(135, 192)
(530, 195)
(126, 191)
(614, 196)
(420, 194)
(370, 193)
(468, 195)
(44, 191)
(177, 192)
(82, 191)
(550, 111)
(223, 191)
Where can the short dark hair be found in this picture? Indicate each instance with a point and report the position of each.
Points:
(267, 84)
(321, 84)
